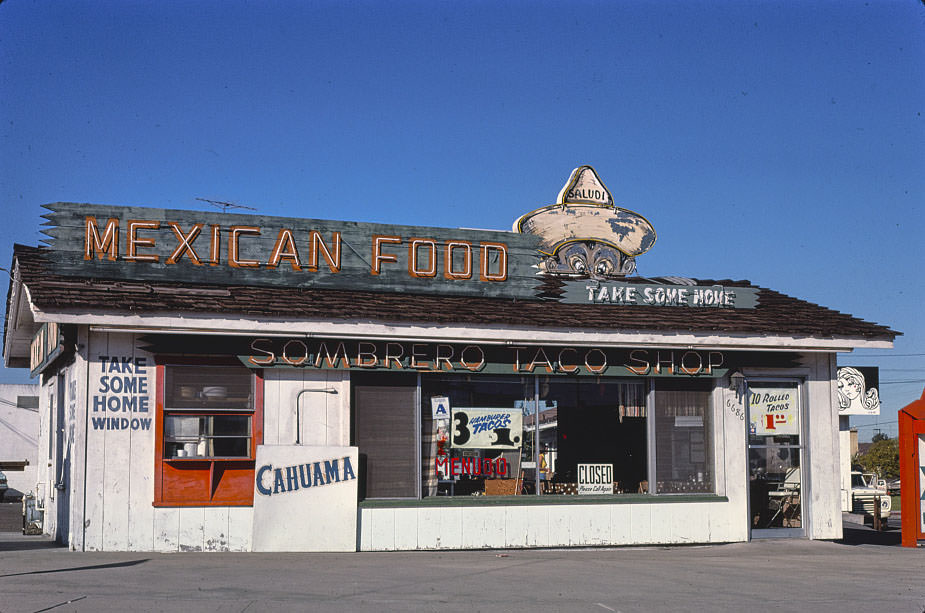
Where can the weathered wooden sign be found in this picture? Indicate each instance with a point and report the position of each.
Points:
(47, 344)
(713, 296)
(91, 240)
(395, 356)
(571, 251)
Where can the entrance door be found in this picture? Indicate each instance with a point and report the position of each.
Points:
(775, 453)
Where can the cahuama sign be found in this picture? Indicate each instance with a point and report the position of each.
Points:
(285, 479)
(305, 498)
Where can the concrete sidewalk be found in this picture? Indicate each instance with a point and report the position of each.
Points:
(769, 575)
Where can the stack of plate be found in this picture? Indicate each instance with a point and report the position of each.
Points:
(212, 392)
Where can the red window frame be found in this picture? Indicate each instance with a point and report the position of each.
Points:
(201, 482)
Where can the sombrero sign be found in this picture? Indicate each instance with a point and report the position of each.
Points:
(590, 245)
(584, 233)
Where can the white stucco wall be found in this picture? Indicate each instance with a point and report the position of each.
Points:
(110, 506)
(120, 463)
(821, 411)
(563, 525)
(19, 435)
(114, 512)
(323, 403)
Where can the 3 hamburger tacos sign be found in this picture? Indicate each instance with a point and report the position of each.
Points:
(583, 245)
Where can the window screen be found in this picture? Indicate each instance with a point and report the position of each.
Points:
(385, 435)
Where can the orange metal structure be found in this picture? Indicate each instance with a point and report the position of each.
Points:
(912, 471)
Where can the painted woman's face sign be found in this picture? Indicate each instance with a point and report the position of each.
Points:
(850, 387)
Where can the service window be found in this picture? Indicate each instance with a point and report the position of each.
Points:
(209, 426)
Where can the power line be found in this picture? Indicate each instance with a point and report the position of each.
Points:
(12, 428)
(888, 422)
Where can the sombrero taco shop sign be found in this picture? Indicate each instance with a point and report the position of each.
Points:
(578, 250)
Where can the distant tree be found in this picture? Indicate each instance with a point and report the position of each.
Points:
(880, 436)
(881, 458)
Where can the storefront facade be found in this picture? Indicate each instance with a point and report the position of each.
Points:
(239, 383)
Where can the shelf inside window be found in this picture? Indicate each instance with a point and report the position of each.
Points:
(206, 459)
(209, 429)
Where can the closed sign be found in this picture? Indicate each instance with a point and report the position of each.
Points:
(595, 478)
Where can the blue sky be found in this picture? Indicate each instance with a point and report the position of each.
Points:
(780, 142)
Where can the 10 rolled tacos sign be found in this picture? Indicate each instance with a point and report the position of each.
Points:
(583, 246)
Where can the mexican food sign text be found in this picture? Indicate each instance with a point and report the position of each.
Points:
(202, 247)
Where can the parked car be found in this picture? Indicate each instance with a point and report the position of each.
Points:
(893, 487)
(864, 489)
(3, 486)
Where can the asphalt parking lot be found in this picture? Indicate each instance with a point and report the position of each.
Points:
(868, 571)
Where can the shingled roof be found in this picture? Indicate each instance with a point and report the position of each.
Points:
(776, 313)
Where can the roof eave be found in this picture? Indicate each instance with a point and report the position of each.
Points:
(209, 323)
(19, 323)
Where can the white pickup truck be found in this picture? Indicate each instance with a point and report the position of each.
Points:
(864, 488)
